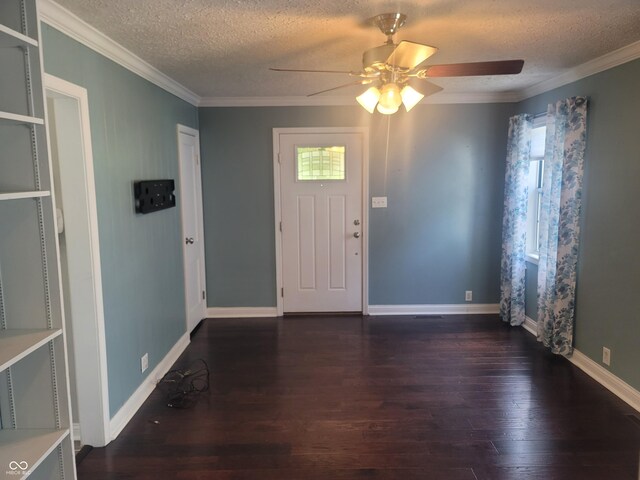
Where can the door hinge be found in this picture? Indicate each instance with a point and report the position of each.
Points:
(197, 159)
(282, 292)
(203, 295)
(279, 158)
(280, 226)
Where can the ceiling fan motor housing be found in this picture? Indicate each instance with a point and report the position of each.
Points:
(377, 57)
(390, 23)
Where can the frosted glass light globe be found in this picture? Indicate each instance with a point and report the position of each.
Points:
(390, 97)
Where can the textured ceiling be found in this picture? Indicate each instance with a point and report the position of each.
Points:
(223, 48)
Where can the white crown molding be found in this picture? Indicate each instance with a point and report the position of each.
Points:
(332, 101)
(446, 309)
(241, 312)
(62, 19)
(445, 98)
(597, 65)
(135, 401)
(276, 101)
(68, 23)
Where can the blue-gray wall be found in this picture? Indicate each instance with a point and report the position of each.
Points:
(608, 304)
(133, 131)
(444, 181)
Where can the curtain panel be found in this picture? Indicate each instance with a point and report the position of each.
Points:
(559, 222)
(514, 220)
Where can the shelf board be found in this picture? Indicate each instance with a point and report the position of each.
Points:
(11, 38)
(17, 118)
(15, 344)
(28, 445)
(19, 195)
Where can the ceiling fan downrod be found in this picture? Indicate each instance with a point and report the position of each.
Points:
(389, 24)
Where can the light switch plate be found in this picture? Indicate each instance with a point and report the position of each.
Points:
(144, 362)
(378, 202)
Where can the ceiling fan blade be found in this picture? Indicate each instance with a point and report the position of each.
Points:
(312, 71)
(410, 54)
(504, 67)
(424, 87)
(351, 84)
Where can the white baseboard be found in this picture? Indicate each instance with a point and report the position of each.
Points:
(474, 308)
(76, 432)
(608, 380)
(131, 406)
(241, 312)
(531, 326)
(604, 377)
(451, 309)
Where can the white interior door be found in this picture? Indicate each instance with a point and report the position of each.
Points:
(321, 211)
(79, 247)
(190, 199)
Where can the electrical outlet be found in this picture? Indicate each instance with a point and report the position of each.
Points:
(606, 356)
(378, 202)
(144, 362)
(468, 296)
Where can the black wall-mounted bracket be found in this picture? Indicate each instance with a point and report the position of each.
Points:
(153, 195)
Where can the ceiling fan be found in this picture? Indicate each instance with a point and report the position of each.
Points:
(397, 75)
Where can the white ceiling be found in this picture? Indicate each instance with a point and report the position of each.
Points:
(223, 48)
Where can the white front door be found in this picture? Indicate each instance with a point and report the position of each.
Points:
(190, 199)
(321, 208)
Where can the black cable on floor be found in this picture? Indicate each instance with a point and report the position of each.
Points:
(182, 386)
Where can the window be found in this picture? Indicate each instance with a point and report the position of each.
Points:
(536, 172)
(320, 163)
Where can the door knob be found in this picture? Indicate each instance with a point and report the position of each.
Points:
(188, 240)
(356, 234)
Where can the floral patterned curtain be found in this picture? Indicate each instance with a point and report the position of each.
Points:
(559, 222)
(514, 220)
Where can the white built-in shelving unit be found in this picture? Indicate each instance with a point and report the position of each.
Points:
(35, 438)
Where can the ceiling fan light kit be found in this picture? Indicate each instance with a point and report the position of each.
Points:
(388, 100)
(410, 97)
(391, 67)
(369, 99)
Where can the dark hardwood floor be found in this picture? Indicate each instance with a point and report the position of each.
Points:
(455, 398)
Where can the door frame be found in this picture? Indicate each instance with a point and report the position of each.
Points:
(277, 203)
(183, 129)
(92, 378)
